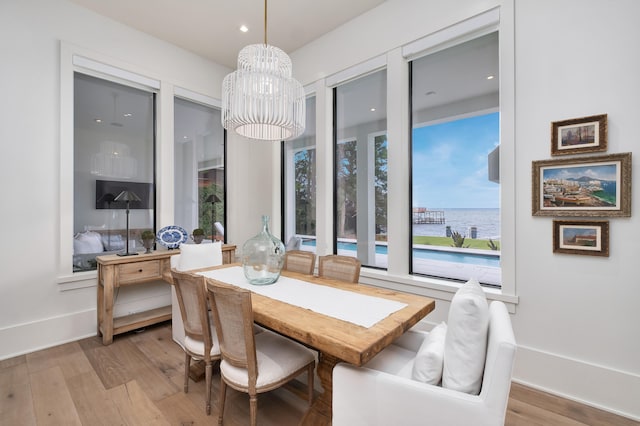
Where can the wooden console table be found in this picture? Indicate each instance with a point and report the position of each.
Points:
(118, 271)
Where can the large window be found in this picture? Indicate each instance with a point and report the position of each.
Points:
(300, 185)
(361, 169)
(114, 142)
(455, 153)
(199, 169)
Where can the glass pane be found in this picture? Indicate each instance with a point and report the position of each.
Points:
(361, 169)
(113, 152)
(455, 146)
(300, 185)
(199, 169)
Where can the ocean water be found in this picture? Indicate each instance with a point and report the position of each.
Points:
(486, 221)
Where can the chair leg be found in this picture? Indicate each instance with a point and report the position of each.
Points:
(187, 365)
(221, 398)
(207, 373)
(253, 409)
(310, 383)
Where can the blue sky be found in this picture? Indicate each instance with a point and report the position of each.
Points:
(450, 163)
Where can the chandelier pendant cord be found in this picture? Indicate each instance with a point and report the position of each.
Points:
(265, 21)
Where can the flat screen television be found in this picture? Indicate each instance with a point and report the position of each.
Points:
(108, 190)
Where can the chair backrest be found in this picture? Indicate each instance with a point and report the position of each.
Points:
(498, 368)
(299, 261)
(233, 317)
(192, 299)
(338, 267)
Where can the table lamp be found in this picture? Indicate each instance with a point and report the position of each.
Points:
(127, 196)
(213, 199)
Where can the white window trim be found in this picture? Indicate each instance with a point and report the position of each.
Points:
(396, 61)
(74, 58)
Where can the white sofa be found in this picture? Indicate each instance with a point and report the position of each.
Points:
(382, 392)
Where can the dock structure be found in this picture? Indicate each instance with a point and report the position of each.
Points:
(424, 215)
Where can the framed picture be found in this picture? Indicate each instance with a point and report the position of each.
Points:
(581, 237)
(579, 135)
(597, 186)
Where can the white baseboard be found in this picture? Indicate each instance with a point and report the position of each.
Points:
(25, 338)
(594, 385)
(20, 339)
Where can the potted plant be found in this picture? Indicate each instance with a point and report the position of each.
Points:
(197, 235)
(148, 239)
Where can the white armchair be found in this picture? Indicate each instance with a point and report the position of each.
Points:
(382, 392)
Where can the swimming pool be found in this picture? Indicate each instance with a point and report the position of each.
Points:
(469, 258)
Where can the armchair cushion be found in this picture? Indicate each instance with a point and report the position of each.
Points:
(197, 256)
(427, 367)
(466, 341)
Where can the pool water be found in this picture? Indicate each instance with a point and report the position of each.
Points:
(431, 254)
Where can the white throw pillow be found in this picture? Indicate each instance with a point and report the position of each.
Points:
(427, 366)
(465, 346)
(87, 242)
(196, 256)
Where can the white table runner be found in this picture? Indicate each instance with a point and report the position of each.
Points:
(356, 308)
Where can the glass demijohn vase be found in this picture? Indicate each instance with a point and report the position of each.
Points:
(263, 256)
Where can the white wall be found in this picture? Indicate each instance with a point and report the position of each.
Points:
(34, 311)
(576, 323)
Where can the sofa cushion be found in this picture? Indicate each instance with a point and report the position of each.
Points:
(428, 363)
(466, 341)
(393, 360)
(87, 242)
(196, 256)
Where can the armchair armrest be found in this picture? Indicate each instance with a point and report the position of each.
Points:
(362, 396)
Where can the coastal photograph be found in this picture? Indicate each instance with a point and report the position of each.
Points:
(581, 237)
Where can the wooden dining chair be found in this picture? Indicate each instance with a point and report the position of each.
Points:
(338, 267)
(299, 261)
(253, 363)
(201, 341)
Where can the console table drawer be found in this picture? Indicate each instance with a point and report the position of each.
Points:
(139, 271)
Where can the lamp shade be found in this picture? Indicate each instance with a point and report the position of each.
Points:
(127, 196)
(213, 198)
(261, 100)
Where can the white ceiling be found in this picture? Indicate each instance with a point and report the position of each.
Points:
(210, 28)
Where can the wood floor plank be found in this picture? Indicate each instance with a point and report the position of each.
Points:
(135, 406)
(522, 413)
(179, 409)
(92, 402)
(138, 380)
(564, 407)
(16, 403)
(53, 404)
(149, 378)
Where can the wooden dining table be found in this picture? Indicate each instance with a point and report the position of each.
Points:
(336, 340)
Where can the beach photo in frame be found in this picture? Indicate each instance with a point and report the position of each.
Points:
(598, 186)
(579, 135)
(581, 237)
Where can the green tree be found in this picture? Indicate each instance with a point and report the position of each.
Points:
(305, 191)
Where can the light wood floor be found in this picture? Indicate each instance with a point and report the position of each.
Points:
(138, 381)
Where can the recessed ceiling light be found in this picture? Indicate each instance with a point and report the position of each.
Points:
(127, 114)
(185, 137)
(244, 28)
(490, 77)
(430, 93)
(97, 120)
(372, 109)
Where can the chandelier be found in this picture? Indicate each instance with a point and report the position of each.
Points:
(261, 100)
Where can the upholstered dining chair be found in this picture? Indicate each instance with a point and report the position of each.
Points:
(338, 267)
(253, 363)
(191, 257)
(299, 261)
(200, 341)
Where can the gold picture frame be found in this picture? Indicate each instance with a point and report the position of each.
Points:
(598, 186)
(581, 237)
(579, 135)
